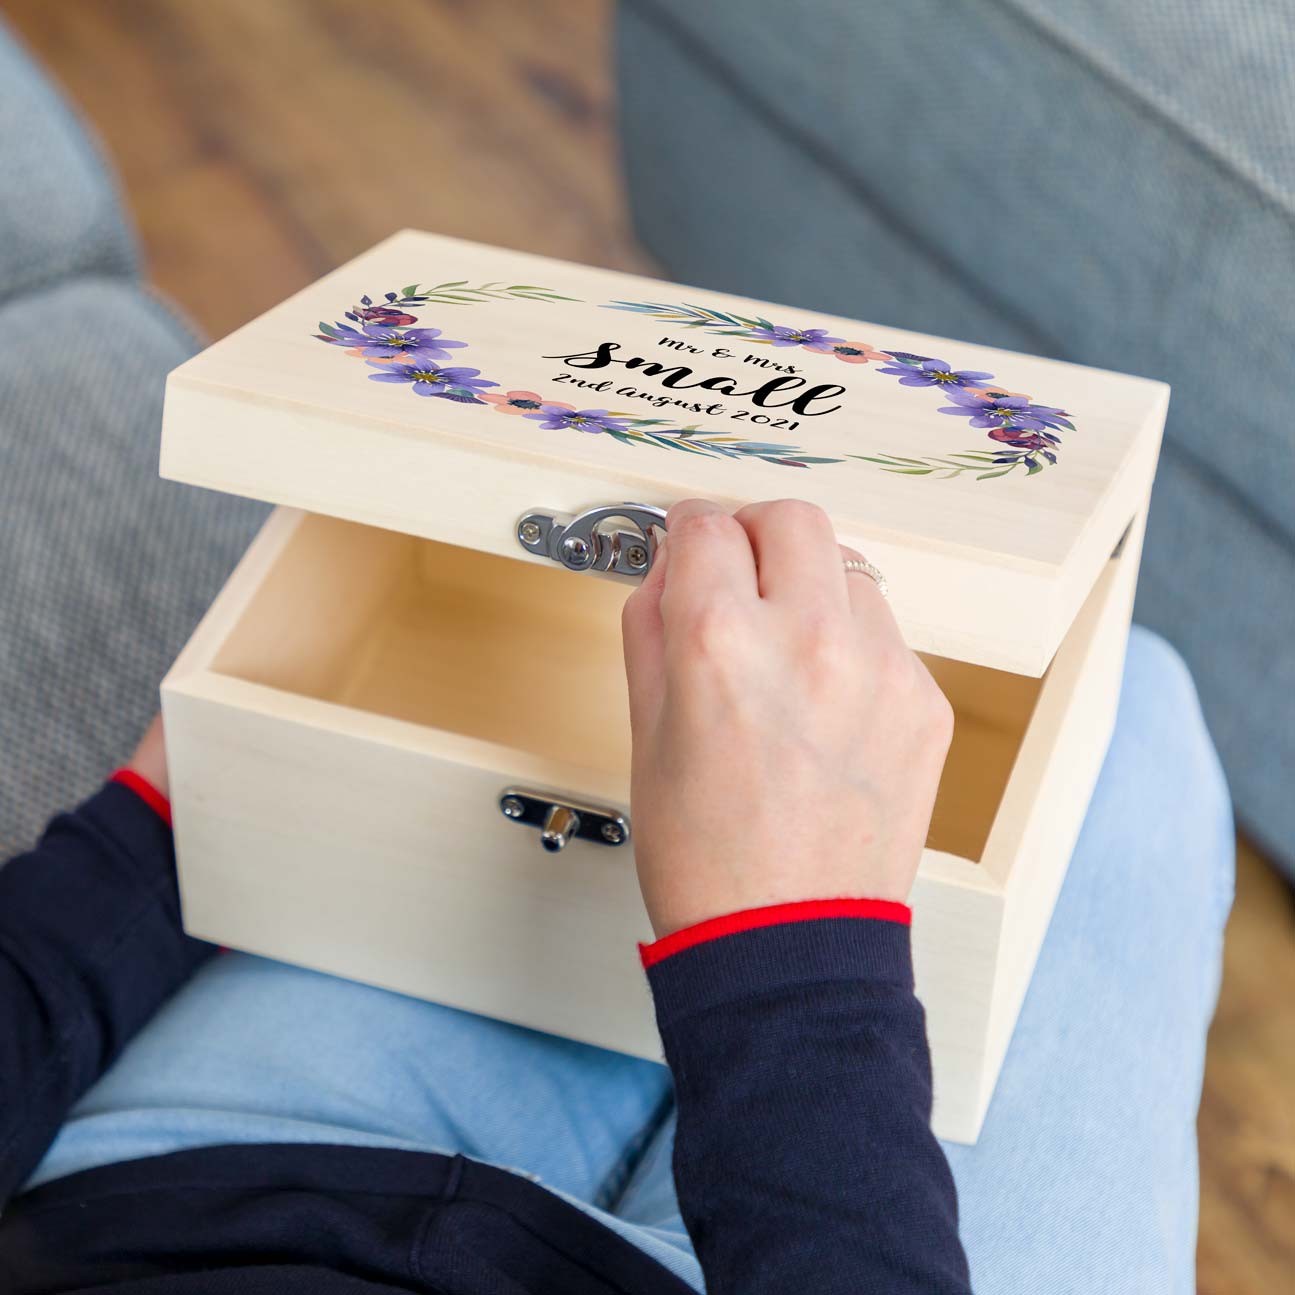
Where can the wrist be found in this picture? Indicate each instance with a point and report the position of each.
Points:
(149, 759)
(800, 957)
(146, 790)
(685, 896)
(780, 914)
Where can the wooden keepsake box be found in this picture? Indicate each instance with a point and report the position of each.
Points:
(413, 681)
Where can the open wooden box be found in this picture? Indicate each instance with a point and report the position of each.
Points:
(389, 659)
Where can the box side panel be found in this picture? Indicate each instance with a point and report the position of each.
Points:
(957, 920)
(1044, 809)
(391, 866)
(239, 590)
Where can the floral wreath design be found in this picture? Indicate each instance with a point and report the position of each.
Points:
(384, 335)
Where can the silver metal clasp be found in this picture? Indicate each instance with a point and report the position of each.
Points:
(590, 541)
(560, 819)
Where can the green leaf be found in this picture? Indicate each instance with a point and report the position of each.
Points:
(409, 291)
(1002, 472)
(674, 443)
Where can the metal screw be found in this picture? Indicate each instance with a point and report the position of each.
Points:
(529, 532)
(575, 551)
(512, 807)
(613, 833)
(636, 556)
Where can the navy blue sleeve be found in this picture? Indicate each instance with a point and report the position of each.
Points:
(804, 1157)
(90, 946)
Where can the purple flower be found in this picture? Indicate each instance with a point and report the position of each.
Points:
(934, 373)
(553, 417)
(412, 345)
(382, 342)
(1002, 411)
(1052, 417)
(430, 380)
(777, 335)
(342, 335)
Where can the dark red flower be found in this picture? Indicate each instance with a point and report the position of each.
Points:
(1015, 436)
(383, 315)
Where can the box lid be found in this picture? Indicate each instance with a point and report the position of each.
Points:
(446, 388)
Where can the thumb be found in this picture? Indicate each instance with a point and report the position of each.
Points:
(643, 636)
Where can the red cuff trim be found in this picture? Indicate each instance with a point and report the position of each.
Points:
(751, 919)
(145, 791)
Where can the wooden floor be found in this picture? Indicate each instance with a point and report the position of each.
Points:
(1247, 1119)
(261, 143)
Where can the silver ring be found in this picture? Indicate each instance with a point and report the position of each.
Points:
(864, 567)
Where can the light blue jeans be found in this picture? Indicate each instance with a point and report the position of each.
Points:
(1083, 1181)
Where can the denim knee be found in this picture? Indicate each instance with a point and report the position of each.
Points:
(1160, 698)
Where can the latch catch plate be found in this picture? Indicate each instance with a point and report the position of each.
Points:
(591, 541)
(562, 819)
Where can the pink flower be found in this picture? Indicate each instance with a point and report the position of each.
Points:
(518, 402)
(851, 352)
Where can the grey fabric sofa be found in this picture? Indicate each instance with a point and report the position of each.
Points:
(1087, 179)
(104, 569)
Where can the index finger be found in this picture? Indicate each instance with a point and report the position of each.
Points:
(710, 556)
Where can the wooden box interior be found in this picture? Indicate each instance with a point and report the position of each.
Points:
(529, 658)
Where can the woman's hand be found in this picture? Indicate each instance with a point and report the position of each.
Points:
(787, 744)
